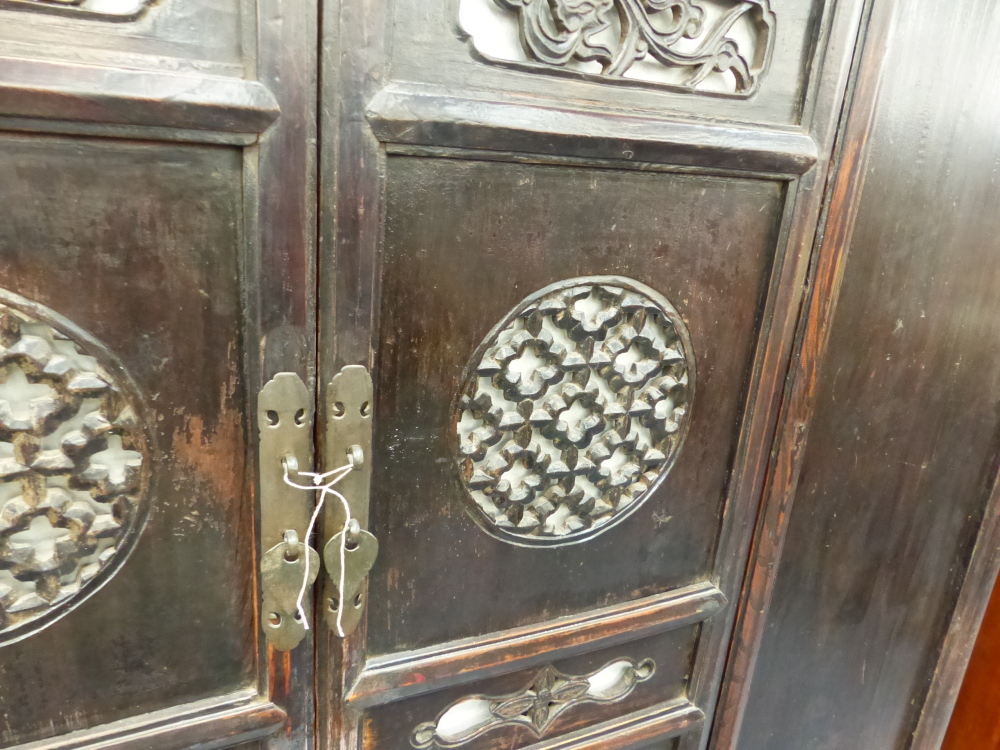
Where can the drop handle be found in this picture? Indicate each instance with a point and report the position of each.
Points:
(348, 556)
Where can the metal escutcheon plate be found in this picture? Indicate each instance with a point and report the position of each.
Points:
(359, 557)
(282, 571)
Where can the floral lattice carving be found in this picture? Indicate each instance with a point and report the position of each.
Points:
(537, 706)
(720, 46)
(574, 409)
(74, 465)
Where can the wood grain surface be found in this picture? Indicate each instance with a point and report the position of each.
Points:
(901, 456)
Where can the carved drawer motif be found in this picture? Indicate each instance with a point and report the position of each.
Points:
(537, 706)
(74, 466)
(720, 47)
(574, 409)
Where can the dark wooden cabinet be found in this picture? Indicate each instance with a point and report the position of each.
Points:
(646, 346)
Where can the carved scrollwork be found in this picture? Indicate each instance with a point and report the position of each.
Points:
(537, 706)
(74, 466)
(692, 41)
(574, 409)
(108, 10)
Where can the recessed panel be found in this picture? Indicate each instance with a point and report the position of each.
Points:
(748, 61)
(195, 36)
(527, 706)
(138, 246)
(466, 243)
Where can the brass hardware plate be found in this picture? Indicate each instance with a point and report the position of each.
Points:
(349, 400)
(282, 570)
(285, 418)
(347, 580)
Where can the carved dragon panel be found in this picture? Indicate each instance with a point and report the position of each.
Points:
(720, 47)
(74, 465)
(573, 410)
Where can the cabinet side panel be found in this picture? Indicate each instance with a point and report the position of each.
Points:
(902, 450)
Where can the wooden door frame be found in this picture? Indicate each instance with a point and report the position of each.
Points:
(283, 316)
(406, 119)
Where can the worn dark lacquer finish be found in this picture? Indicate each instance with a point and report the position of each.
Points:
(527, 717)
(896, 478)
(458, 182)
(770, 525)
(445, 286)
(122, 238)
(432, 47)
(156, 174)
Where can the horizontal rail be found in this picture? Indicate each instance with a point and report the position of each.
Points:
(421, 115)
(388, 678)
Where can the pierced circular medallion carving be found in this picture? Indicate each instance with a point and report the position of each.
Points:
(74, 466)
(573, 410)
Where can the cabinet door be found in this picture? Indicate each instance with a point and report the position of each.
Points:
(154, 263)
(569, 240)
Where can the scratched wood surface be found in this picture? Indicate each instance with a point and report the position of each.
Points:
(137, 243)
(896, 475)
(391, 726)
(452, 189)
(710, 248)
(159, 192)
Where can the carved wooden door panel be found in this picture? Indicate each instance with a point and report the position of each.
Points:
(531, 279)
(569, 241)
(155, 262)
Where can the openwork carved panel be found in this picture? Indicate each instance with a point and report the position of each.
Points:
(573, 410)
(550, 694)
(74, 466)
(709, 46)
(108, 10)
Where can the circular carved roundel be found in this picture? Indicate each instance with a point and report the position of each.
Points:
(573, 410)
(74, 466)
